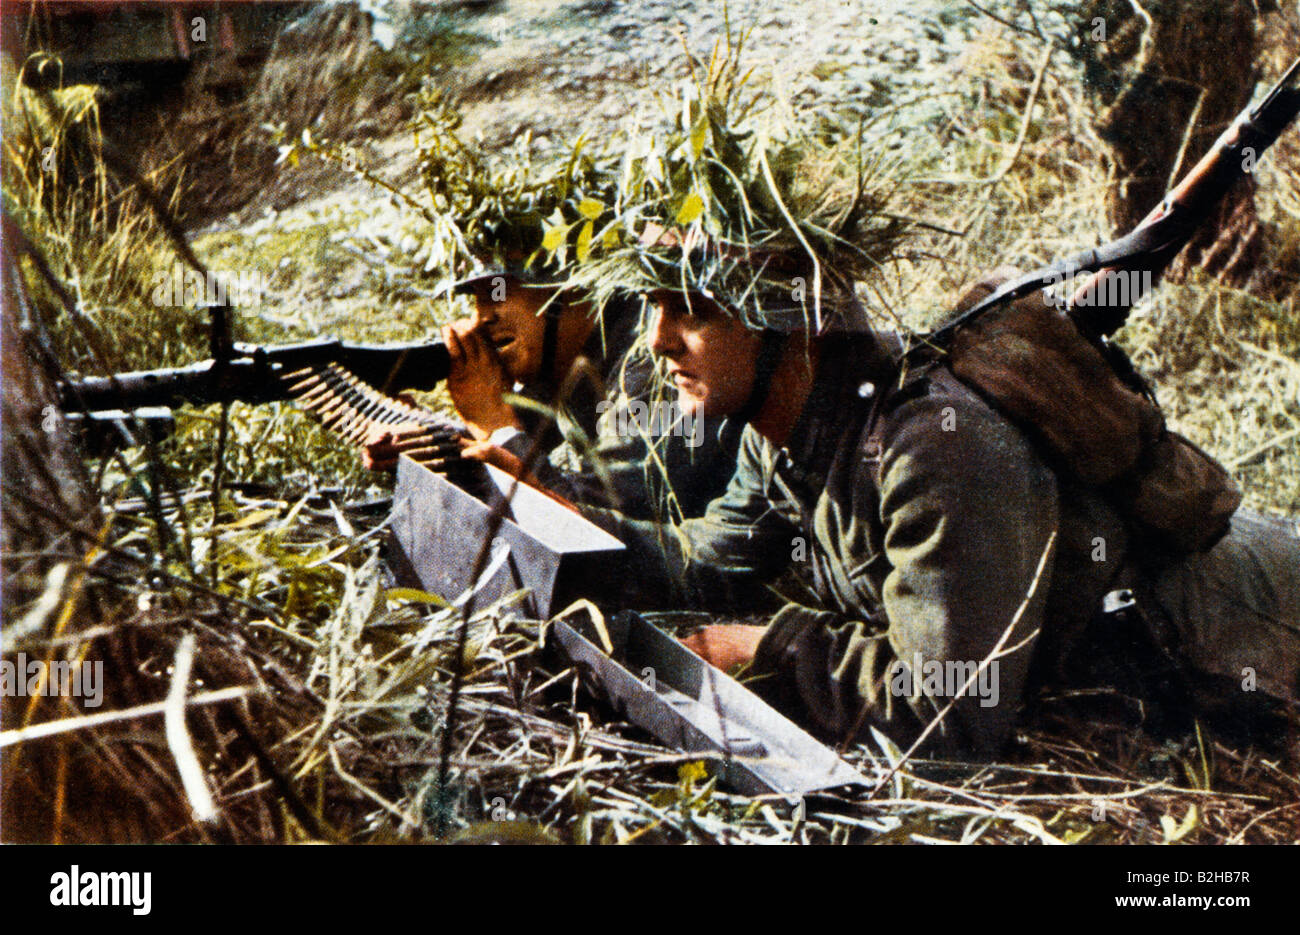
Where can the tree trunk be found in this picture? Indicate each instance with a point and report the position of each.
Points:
(45, 486)
(1168, 77)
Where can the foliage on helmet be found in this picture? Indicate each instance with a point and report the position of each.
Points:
(735, 201)
(513, 210)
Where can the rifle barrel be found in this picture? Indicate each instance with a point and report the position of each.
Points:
(1177, 216)
(1164, 231)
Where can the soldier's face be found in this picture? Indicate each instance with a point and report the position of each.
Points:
(711, 357)
(508, 315)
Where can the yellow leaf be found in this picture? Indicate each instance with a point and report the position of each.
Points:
(505, 832)
(692, 772)
(328, 556)
(553, 239)
(252, 518)
(414, 594)
(590, 208)
(584, 242)
(691, 209)
(698, 135)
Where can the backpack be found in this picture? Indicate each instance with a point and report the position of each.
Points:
(1091, 415)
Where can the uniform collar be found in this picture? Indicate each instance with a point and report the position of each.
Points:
(852, 370)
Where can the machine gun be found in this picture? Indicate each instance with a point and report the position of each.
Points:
(258, 373)
(346, 384)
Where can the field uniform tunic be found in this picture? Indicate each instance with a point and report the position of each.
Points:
(920, 517)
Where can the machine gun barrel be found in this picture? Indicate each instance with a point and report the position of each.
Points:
(255, 374)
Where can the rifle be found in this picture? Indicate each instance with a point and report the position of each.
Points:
(1055, 374)
(257, 373)
(1152, 245)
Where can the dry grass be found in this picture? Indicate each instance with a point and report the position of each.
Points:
(338, 737)
(348, 679)
(95, 230)
(1224, 361)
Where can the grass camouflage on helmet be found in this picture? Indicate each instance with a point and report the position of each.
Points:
(512, 214)
(734, 202)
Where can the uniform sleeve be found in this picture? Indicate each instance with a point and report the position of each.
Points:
(585, 485)
(966, 510)
(615, 466)
(720, 561)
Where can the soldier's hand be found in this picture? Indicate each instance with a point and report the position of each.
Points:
(725, 645)
(492, 454)
(477, 381)
(383, 443)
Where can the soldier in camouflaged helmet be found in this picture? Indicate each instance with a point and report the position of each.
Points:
(937, 539)
(509, 229)
(951, 570)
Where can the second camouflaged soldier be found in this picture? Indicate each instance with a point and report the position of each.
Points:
(510, 230)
